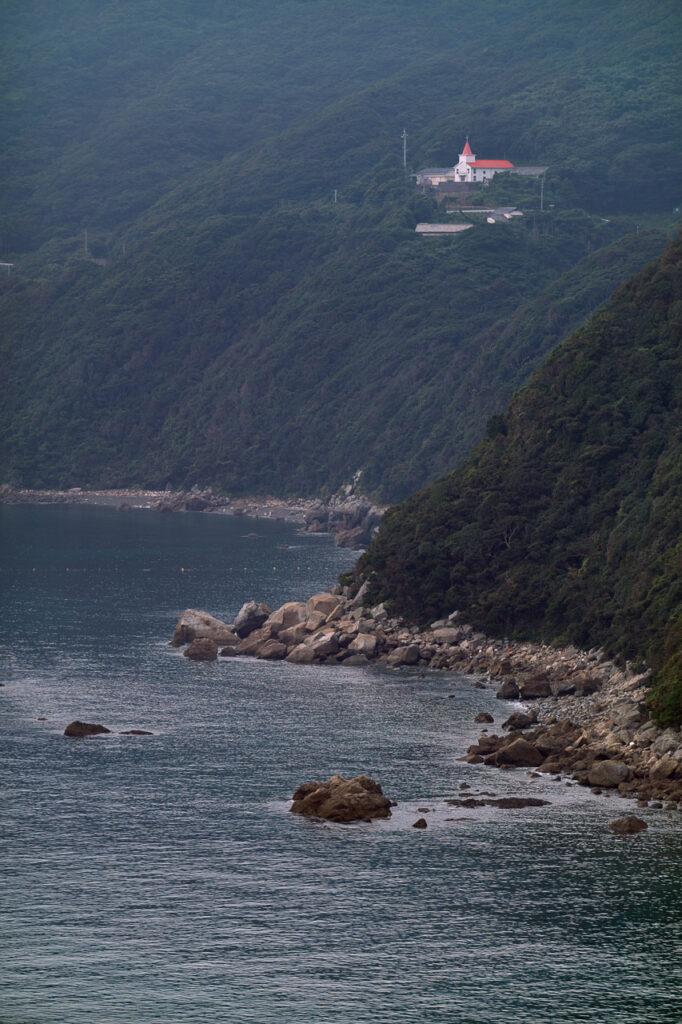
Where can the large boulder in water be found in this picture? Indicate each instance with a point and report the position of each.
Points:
(342, 800)
(520, 720)
(508, 691)
(251, 617)
(193, 625)
(628, 826)
(84, 729)
(519, 753)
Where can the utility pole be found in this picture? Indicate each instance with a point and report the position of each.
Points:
(542, 193)
(404, 138)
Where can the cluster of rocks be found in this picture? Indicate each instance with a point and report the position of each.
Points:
(79, 730)
(635, 760)
(588, 715)
(342, 800)
(351, 519)
(336, 627)
(196, 500)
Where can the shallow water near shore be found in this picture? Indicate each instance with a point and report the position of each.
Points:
(162, 878)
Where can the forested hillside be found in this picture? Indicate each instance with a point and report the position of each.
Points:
(565, 524)
(241, 328)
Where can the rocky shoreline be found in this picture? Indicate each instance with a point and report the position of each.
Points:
(583, 716)
(352, 519)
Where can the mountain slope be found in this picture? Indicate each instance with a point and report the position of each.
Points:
(566, 523)
(248, 332)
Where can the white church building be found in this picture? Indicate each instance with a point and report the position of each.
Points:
(468, 169)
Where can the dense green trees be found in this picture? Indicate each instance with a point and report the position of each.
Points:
(565, 524)
(246, 331)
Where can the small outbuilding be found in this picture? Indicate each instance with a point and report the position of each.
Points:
(441, 229)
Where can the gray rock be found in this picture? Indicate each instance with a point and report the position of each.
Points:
(447, 634)
(628, 716)
(193, 625)
(379, 613)
(290, 614)
(508, 691)
(666, 768)
(301, 655)
(364, 643)
(356, 660)
(324, 644)
(252, 616)
(82, 729)
(322, 603)
(519, 753)
(272, 650)
(408, 655)
(359, 599)
(667, 741)
(608, 774)
(535, 687)
(586, 684)
(520, 720)
(294, 634)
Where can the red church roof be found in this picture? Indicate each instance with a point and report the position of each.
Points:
(467, 149)
(491, 163)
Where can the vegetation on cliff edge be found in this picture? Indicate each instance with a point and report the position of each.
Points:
(565, 524)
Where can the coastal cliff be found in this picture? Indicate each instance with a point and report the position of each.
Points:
(565, 524)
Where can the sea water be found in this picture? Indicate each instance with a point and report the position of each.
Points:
(162, 878)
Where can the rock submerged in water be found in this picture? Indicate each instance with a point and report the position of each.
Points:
(505, 802)
(85, 729)
(520, 720)
(202, 649)
(342, 800)
(508, 691)
(519, 753)
(628, 826)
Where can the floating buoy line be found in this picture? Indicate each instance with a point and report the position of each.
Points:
(182, 569)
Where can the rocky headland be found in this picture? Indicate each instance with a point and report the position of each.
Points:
(352, 519)
(582, 715)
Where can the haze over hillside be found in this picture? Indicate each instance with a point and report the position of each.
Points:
(242, 329)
